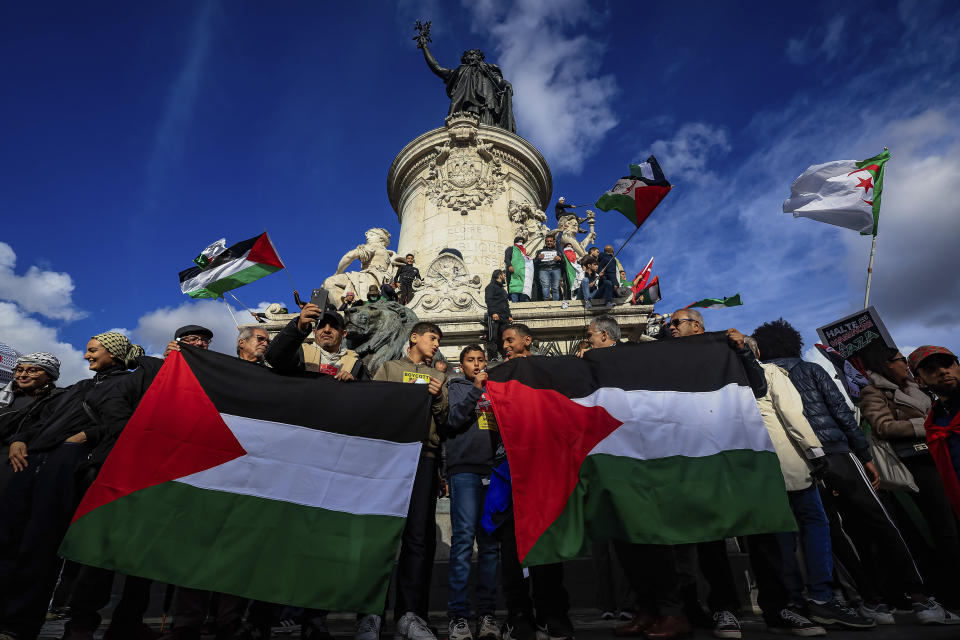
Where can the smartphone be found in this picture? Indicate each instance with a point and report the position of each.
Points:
(319, 298)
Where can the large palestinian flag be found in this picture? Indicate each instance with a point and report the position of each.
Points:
(219, 271)
(637, 195)
(521, 280)
(233, 478)
(658, 442)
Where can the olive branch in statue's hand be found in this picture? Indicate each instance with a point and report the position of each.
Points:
(423, 33)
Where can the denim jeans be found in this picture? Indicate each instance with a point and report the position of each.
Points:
(519, 297)
(817, 553)
(550, 284)
(604, 290)
(467, 494)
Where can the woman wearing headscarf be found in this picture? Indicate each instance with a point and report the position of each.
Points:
(40, 498)
(896, 408)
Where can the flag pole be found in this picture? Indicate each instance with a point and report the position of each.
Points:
(227, 304)
(249, 310)
(286, 270)
(619, 250)
(873, 251)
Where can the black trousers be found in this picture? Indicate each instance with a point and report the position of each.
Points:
(933, 504)
(418, 543)
(36, 506)
(856, 511)
(92, 592)
(651, 571)
(406, 292)
(765, 561)
(550, 598)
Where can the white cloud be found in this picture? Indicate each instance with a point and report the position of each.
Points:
(833, 39)
(27, 334)
(687, 153)
(38, 290)
(155, 329)
(561, 104)
(827, 40)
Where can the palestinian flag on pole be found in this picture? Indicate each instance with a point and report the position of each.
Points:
(521, 280)
(715, 303)
(637, 195)
(845, 193)
(651, 293)
(230, 477)
(230, 268)
(659, 442)
(572, 271)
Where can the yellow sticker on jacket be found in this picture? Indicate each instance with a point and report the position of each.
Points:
(486, 420)
(416, 378)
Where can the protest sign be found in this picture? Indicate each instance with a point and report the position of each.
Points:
(854, 333)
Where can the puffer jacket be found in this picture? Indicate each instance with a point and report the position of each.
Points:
(896, 415)
(825, 408)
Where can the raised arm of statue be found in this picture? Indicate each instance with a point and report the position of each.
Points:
(361, 253)
(442, 72)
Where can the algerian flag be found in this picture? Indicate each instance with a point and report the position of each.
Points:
(232, 478)
(845, 193)
(211, 252)
(716, 303)
(521, 280)
(233, 267)
(650, 293)
(626, 444)
(637, 195)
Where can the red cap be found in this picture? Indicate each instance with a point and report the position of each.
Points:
(922, 353)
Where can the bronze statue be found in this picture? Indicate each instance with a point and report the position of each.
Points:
(476, 86)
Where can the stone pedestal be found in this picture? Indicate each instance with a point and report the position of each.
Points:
(451, 187)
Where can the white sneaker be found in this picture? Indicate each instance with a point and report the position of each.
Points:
(368, 627)
(564, 304)
(487, 628)
(880, 613)
(459, 629)
(931, 612)
(412, 627)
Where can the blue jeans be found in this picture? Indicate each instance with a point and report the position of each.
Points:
(604, 290)
(519, 297)
(467, 494)
(817, 552)
(550, 284)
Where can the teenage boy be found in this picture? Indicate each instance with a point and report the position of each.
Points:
(406, 274)
(418, 542)
(469, 450)
(550, 599)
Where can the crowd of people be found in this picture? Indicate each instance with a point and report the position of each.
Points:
(858, 560)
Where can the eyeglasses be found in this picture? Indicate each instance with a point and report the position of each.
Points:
(195, 340)
(676, 322)
(900, 359)
(29, 371)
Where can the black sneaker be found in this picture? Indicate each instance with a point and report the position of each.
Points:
(519, 628)
(833, 612)
(315, 629)
(789, 623)
(726, 625)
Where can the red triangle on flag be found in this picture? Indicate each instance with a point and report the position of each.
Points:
(547, 437)
(176, 431)
(263, 252)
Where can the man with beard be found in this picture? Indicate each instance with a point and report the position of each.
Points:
(327, 354)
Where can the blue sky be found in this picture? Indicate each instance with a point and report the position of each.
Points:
(136, 134)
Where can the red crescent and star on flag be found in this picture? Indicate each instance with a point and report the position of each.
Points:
(866, 183)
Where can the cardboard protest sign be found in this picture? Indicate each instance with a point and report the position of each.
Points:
(847, 339)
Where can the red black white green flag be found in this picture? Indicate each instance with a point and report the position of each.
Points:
(221, 269)
(230, 477)
(637, 195)
(657, 443)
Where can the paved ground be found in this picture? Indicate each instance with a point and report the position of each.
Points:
(589, 627)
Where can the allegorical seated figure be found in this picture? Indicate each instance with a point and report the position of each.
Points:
(376, 266)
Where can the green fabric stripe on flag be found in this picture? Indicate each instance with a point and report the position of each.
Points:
(881, 160)
(675, 500)
(250, 274)
(521, 280)
(253, 547)
(624, 204)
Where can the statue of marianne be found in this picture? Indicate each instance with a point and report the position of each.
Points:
(476, 86)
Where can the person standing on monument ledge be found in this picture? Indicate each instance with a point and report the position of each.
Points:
(549, 269)
(406, 274)
(498, 309)
(418, 541)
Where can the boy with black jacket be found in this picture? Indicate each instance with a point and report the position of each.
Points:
(469, 456)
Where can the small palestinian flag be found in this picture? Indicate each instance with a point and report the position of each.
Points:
(651, 293)
(230, 477)
(845, 193)
(637, 195)
(233, 267)
(521, 280)
(716, 303)
(655, 443)
(572, 271)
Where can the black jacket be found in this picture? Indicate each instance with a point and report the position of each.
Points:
(14, 422)
(497, 301)
(406, 274)
(755, 375)
(607, 261)
(825, 408)
(467, 448)
(285, 355)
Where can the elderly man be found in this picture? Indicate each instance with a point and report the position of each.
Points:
(764, 549)
(603, 331)
(252, 343)
(328, 354)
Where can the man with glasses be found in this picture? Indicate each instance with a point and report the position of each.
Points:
(252, 343)
(191, 334)
(937, 370)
